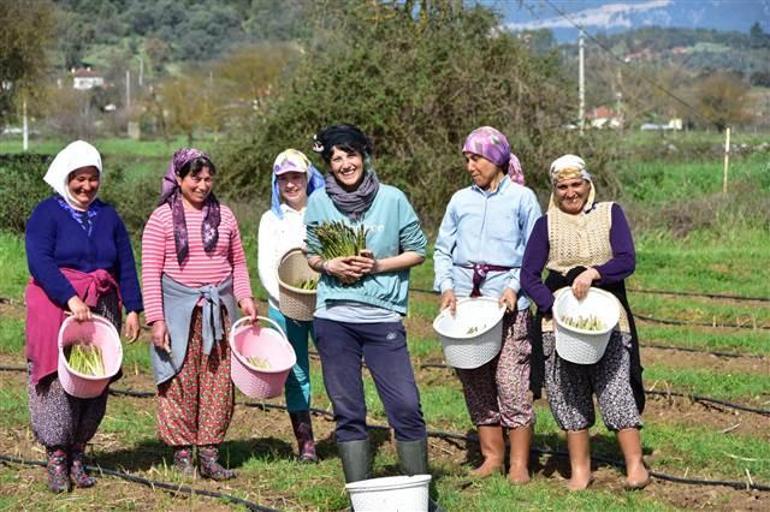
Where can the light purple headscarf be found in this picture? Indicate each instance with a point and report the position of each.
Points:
(492, 145)
(171, 194)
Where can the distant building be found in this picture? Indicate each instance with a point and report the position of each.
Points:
(603, 117)
(674, 124)
(85, 79)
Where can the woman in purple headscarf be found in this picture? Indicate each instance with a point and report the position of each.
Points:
(478, 253)
(193, 273)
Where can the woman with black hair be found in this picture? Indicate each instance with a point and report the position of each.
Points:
(362, 299)
(193, 274)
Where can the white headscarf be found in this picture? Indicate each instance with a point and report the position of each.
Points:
(76, 155)
(569, 167)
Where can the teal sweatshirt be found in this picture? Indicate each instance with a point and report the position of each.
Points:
(392, 228)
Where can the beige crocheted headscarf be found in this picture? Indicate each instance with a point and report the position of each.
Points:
(569, 167)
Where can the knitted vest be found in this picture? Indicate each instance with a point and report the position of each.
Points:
(581, 240)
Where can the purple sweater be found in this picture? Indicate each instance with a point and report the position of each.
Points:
(55, 240)
(619, 267)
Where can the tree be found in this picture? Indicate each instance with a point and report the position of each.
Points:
(26, 31)
(723, 99)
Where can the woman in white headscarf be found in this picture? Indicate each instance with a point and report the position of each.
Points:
(80, 261)
(584, 243)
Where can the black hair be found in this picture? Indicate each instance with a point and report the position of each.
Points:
(345, 137)
(195, 165)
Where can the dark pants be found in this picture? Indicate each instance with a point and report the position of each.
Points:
(383, 346)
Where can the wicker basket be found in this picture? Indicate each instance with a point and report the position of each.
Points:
(294, 302)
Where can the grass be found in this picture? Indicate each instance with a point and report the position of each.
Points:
(723, 260)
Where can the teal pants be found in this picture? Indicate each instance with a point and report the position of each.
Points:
(297, 388)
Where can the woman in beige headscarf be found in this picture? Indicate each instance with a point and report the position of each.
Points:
(584, 243)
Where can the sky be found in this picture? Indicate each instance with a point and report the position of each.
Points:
(612, 16)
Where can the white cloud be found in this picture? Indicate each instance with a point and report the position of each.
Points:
(606, 16)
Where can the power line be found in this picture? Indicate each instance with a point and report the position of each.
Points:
(621, 61)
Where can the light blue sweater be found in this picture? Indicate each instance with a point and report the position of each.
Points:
(392, 228)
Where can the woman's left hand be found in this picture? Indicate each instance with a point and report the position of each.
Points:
(508, 299)
(131, 332)
(583, 282)
(249, 308)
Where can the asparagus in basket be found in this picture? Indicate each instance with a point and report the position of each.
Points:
(85, 359)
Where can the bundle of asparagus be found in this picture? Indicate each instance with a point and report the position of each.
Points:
(258, 362)
(336, 239)
(591, 323)
(307, 284)
(85, 359)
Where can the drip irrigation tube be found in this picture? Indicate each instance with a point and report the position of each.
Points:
(172, 488)
(738, 485)
(659, 292)
(266, 406)
(667, 321)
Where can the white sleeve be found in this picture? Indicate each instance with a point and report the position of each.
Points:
(267, 260)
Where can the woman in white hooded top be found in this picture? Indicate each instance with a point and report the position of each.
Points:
(281, 229)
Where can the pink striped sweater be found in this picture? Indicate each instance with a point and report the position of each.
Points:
(159, 257)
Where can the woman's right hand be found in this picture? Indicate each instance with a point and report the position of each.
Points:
(344, 268)
(160, 337)
(449, 300)
(79, 309)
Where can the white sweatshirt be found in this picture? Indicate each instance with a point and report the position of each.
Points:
(275, 238)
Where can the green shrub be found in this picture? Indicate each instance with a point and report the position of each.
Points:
(23, 187)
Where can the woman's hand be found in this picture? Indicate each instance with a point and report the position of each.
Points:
(583, 282)
(249, 308)
(79, 309)
(160, 337)
(449, 300)
(344, 268)
(365, 262)
(509, 300)
(131, 330)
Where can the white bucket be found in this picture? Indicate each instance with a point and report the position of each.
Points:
(390, 494)
(473, 337)
(581, 346)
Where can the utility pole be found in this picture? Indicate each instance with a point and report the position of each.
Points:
(141, 72)
(25, 124)
(128, 88)
(581, 83)
(619, 103)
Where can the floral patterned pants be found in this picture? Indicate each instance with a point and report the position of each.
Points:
(497, 393)
(195, 406)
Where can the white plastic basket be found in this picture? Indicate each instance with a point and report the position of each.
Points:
(472, 337)
(582, 346)
(390, 494)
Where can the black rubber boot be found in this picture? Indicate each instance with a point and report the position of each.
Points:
(356, 460)
(413, 459)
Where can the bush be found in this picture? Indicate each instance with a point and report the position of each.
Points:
(417, 80)
(23, 187)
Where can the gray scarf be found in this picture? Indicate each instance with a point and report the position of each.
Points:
(353, 204)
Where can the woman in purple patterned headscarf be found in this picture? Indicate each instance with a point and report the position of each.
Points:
(478, 253)
(193, 273)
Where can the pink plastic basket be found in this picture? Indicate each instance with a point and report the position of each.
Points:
(100, 332)
(268, 343)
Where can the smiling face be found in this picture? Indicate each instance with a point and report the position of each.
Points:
(347, 168)
(196, 187)
(571, 194)
(293, 188)
(484, 173)
(83, 184)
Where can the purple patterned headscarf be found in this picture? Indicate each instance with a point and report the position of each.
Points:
(171, 194)
(492, 145)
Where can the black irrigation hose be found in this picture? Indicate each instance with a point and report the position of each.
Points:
(172, 488)
(667, 321)
(660, 292)
(431, 433)
(693, 397)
